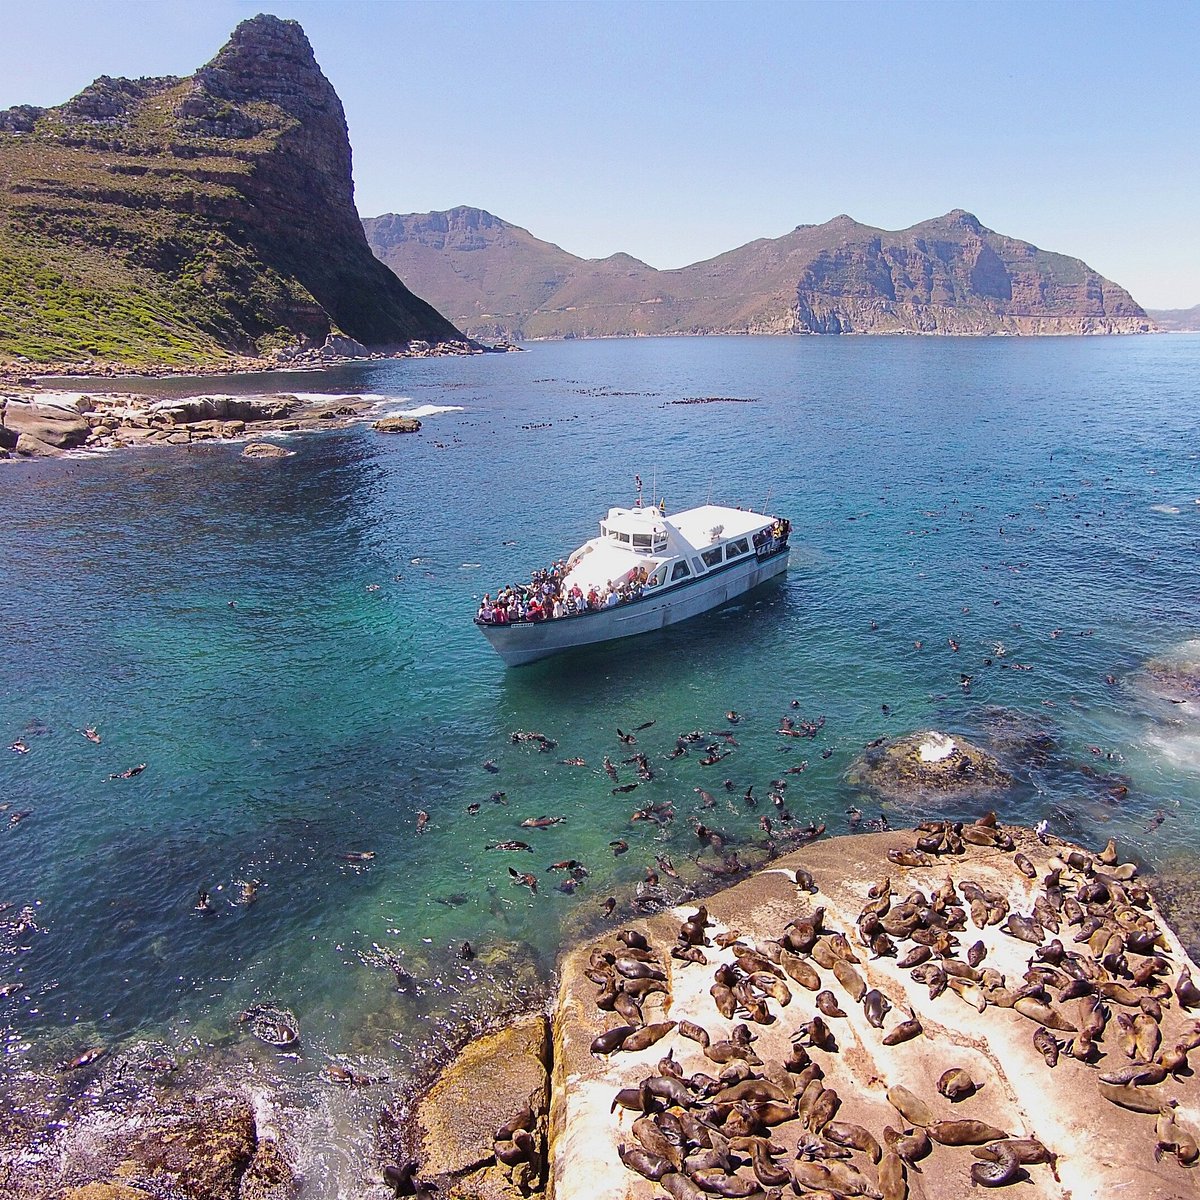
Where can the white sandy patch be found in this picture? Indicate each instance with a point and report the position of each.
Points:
(935, 747)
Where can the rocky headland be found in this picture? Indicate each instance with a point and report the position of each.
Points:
(53, 425)
(199, 221)
(948, 275)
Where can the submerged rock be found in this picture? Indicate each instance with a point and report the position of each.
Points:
(920, 765)
(1175, 677)
(1030, 741)
(397, 425)
(266, 450)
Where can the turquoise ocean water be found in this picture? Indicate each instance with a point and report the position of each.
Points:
(288, 646)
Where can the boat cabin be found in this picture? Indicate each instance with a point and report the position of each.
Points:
(660, 551)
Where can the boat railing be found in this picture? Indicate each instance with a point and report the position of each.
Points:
(770, 541)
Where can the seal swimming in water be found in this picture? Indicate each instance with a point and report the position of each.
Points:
(526, 880)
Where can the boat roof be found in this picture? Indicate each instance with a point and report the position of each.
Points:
(605, 563)
(697, 525)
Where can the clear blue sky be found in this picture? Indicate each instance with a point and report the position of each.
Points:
(675, 131)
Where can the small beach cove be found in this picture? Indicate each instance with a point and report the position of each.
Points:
(288, 646)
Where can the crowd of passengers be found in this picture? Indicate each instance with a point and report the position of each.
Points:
(545, 598)
(766, 541)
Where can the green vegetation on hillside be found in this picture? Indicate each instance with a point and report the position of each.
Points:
(185, 221)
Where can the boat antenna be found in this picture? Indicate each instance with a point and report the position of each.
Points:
(767, 502)
(637, 481)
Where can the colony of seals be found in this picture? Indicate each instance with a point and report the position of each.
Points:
(963, 1006)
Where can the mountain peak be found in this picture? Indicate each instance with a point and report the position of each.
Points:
(270, 59)
(962, 218)
(947, 275)
(227, 196)
(464, 216)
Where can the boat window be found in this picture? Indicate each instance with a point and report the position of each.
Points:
(712, 558)
(641, 541)
(623, 537)
(680, 570)
(736, 549)
(656, 578)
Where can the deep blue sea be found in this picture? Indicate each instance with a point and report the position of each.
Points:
(287, 645)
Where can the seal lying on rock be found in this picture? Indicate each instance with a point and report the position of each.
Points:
(757, 1068)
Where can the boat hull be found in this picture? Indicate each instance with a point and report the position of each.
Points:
(526, 642)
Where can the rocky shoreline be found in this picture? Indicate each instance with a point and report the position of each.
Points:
(41, 422)
(849, 1047)
(51, 427)
(847, 1031)
(334, 352)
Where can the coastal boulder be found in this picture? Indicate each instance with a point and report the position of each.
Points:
(493, 1080)
(338, 346)
(225, 408)
(28, 446)
(48, 424)
(106, 1191)
(199, 1150)
(270, 1175)
(927, 765)
(397, 425)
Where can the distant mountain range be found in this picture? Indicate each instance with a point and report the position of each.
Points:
(183, 220)
(1176, 320)
(949, 275)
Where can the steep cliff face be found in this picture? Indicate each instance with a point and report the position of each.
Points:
(952, 275)
(177, 220)
(948, 275)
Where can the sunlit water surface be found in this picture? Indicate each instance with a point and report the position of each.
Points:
(287, 646)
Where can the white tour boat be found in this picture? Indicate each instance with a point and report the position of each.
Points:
(643, 572)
